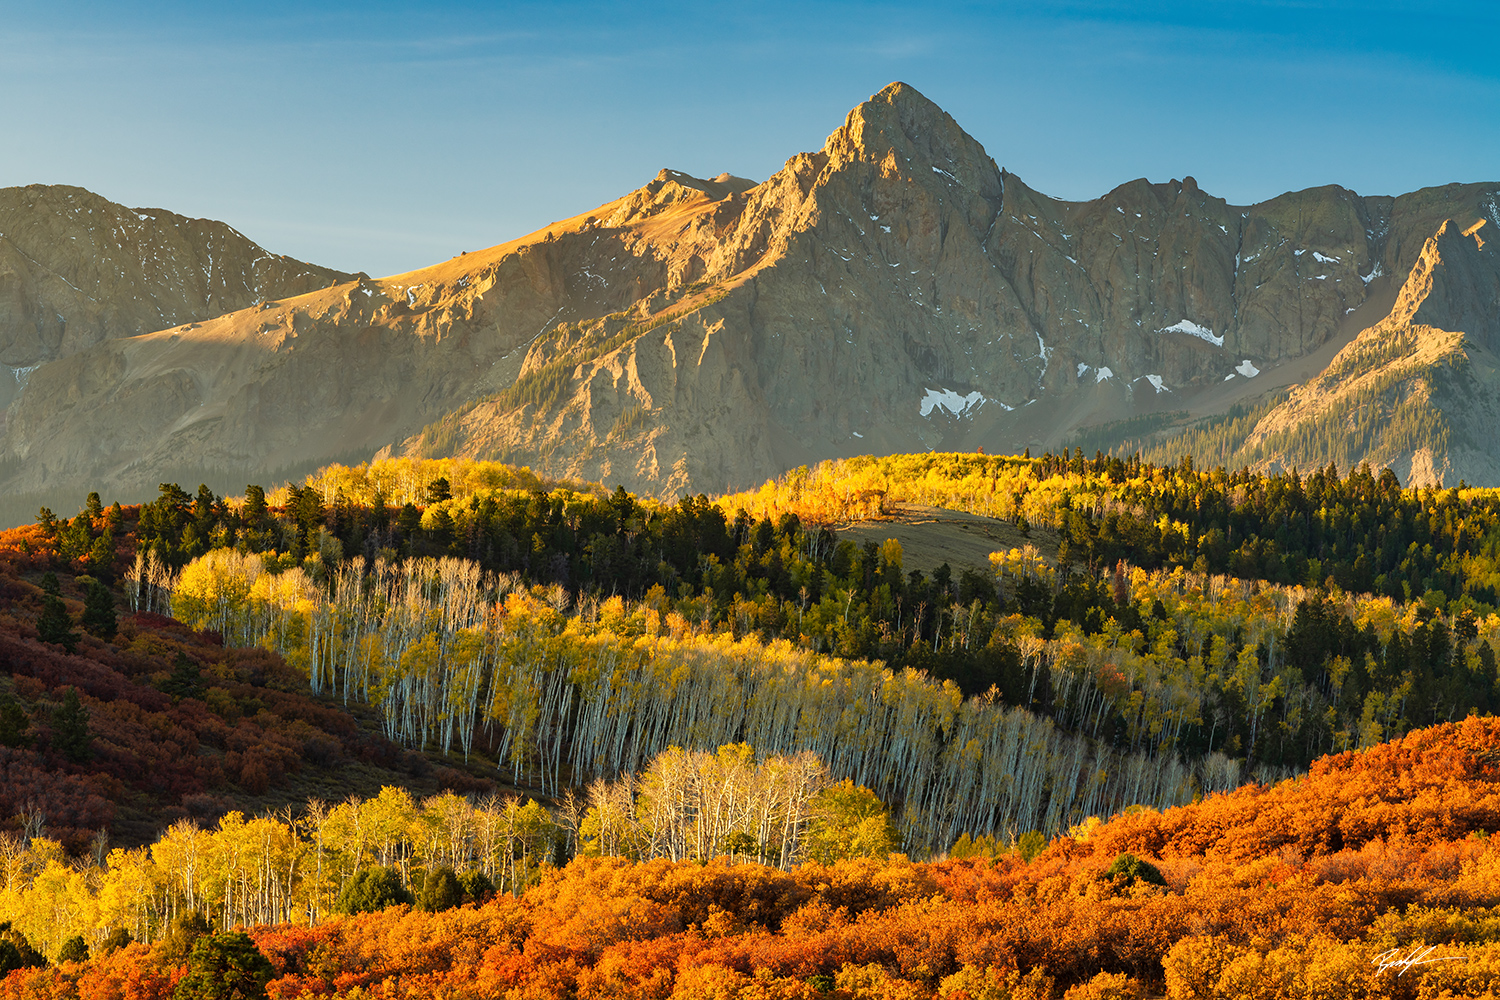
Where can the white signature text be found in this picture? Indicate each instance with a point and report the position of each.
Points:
(1394, 959)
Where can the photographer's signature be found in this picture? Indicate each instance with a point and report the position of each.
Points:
(1395, 959)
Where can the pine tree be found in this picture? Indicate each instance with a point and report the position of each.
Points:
(115, 940)
(52, 623)
(14, 723)
(186, 680)
(99, 611)
(114, 520)
(16, 952)
(255, 506)
(380, 514)
(309, 512)
(1131, 869)
(409, 520)
(70, 729)
(74, 538)
(102, 556)
(75, 948)
(372, 890)
(442, 529)
(441, 890)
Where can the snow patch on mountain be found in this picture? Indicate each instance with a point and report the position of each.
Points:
(1192, 329)
(955, 404)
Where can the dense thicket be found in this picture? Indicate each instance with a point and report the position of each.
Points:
(1307, 888)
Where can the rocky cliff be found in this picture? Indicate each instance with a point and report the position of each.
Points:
(1416, 392)
(894, 290)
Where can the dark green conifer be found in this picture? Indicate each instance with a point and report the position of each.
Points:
(372, 890)
(53, 623)
(16, 952)
(409, 520)
(441, 890)
(186, 680)
(115, 940)
(14, 723)
(225, 967)
(99, 611)
(442, 528)
(102, 556)
(1131, 869)
(74, 949)
(70, 729)
(477, 886)
(255, 507)
(380, 514)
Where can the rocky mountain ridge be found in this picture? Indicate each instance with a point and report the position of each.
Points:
(1415, 391)
(895, 290)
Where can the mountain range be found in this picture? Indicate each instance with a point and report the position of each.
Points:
(893, 291)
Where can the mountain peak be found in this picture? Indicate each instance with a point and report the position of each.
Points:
(900, 129)
(908, 98)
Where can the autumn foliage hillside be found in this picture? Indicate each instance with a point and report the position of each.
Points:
(1300, 890)
(1432, 787)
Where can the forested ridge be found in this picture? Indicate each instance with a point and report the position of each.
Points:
(1165, 634)
(1355, 610)
(574, 633)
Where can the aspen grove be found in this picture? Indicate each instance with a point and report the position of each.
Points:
(294, 867)
(445, 652)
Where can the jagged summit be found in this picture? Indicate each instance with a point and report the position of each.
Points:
(900, 130)
(1415, 390)
(1455, 284)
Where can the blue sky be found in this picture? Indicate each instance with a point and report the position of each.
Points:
(386, 136)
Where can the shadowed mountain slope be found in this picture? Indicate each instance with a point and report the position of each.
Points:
(76, 269)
